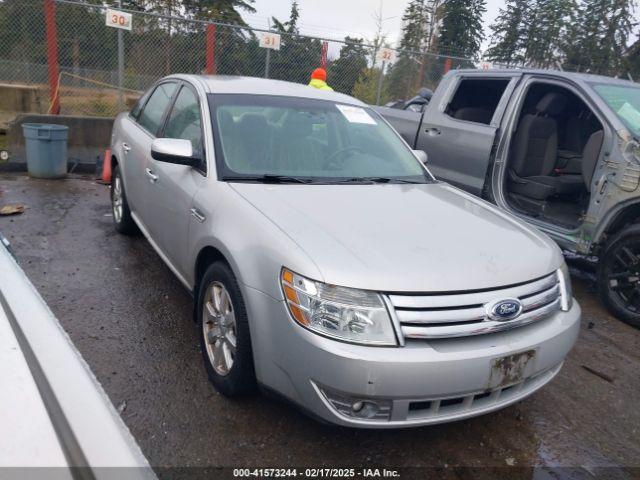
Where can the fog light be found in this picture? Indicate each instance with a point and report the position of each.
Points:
(363, 409)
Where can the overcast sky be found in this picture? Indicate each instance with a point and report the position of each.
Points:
(337, 18)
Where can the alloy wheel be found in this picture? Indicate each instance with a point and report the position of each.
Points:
(623, 275)
(116, 199)
(219, 328)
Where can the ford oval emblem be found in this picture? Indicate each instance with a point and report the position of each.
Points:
(504, 310)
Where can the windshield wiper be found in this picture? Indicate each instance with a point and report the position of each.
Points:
(390, 180)
(267, 178)
(272, 178)
(371, 180)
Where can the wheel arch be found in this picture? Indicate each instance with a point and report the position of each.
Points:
(114, 161)
(206, 256)
(622, 217)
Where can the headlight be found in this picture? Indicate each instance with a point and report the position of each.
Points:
(566, 295)
(347, 314)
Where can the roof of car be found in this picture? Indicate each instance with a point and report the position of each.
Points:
(263, 86)
(575, 76)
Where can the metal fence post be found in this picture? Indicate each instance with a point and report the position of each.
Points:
(380, 78)
(52, 55)
(268, 60)
(120, 65)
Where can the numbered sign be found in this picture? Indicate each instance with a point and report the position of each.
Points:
(118, 19)
(270, 40)
(386, 55)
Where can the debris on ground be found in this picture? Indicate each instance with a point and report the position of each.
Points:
(11, 209)
(603, 376)
(122, 407)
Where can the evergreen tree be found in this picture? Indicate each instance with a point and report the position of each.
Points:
(366, 88)
(461, 31)
(599, 36)
(545, 28)
(508, 34)
(291, 25)
(231, 44)
(345, 71)
(298, 56)
(404, 75)
(227, 11)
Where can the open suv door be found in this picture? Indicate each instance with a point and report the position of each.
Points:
(459, 127)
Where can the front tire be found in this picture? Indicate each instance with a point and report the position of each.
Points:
(619, 275)
(122, 220)
(224, 332)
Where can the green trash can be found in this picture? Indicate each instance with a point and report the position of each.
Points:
(46, 149)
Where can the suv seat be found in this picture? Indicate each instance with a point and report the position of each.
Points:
(590, 155)
(535, 149)
(571, 184)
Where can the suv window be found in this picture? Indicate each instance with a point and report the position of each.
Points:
(151, 116)
(184, 120)
(477, 100)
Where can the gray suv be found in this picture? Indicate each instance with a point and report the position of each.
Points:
(326, 263)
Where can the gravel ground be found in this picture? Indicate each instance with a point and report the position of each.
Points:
(131, 320)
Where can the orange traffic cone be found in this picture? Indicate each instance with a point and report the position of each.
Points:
(106, 167)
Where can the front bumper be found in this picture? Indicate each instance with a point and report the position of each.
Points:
(424, 382)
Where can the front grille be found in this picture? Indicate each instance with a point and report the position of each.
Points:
(461, 314)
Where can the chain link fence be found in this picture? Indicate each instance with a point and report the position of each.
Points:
(89, 82)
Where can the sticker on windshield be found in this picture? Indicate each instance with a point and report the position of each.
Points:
(356, 114)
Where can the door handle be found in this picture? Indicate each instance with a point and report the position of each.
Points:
(433, 131)
(126, 147)
(197, 214)
(153, 178)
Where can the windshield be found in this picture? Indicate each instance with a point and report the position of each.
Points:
(288, 139)
(624, 101)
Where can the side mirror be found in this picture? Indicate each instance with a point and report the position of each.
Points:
(425, 93)
(421, 155)
(174, 150)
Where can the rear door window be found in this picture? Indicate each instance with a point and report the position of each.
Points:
(151, 116)
(476, 100)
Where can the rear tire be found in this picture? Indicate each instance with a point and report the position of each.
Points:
(619, 275)
(225, 340)
(122, 220)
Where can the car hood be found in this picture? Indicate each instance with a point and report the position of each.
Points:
(404, 237)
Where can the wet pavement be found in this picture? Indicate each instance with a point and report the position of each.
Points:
(132, 321)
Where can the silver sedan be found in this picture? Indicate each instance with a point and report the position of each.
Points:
(327, 264)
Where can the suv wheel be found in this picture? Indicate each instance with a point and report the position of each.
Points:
(224, 332)
(619, 275)
(120, 207)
